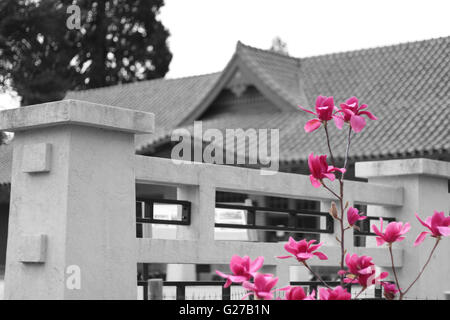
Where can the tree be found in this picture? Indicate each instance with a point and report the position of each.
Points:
(118, 41)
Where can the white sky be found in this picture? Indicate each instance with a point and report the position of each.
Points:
(204, 32)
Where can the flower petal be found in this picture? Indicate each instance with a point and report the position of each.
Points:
(368, 114)
(422, 222)
(383, 275)
(257, 264)
(315, 183)
(338, 121)
(309, 111)
(380, 241)
(445, 231)
(420, 238)
(312, 125)
(249, 286)
(330, 176)
(238, 279)
(375, 229)
(304, 256)
(357, 123)
(320, 255)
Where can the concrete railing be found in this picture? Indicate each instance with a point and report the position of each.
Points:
(72, 227)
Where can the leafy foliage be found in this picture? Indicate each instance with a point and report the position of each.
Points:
(119, 41)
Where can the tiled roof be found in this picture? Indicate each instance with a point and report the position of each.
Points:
(169, 99)
(279, 71)
(407, 86)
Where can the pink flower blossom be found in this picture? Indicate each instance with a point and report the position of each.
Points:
(337, 293)
(320, 169)
(390, 290)
(361, 270)
(297, 293)
(262, 286)
(351, 113)
(353, 216)
(438, 224)
(303, 250)
(394, 232)
(324, 112)
(243, 269)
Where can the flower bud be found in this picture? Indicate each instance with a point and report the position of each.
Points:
(333, 210)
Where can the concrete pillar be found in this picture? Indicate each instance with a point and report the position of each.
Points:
(72, 216)
(425, 184)
(203, 204)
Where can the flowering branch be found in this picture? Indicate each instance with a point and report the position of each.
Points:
(360, 269)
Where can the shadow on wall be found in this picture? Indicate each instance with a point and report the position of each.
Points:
(4, 214)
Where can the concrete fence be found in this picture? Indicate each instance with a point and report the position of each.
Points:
(72, 226)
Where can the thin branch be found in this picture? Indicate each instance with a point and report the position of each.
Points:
(423, 269)
(341, 222)
(393, 270)
(362, 290)
(341, 198)
(334, 193)
(347, 150)
(316, 275)
(329, 145)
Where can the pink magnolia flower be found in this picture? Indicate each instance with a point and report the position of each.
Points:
(438, 224)
(361, 270)
(303, 250)
(297, 293)
(353, 216)
(262, 286)
(324, 112)
(390, 290)
(320, 170)
(337, 293)
(351, 113)
(394, 232)
(243, 269)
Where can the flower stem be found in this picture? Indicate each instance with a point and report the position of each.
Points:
(362, 290)
(334, 193)
(341, 198)
(341, 222)
(329, 145)
(393, 270)
(316, 275)
(347, 150)
(421, 271)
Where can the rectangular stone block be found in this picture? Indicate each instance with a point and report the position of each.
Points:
(36, 158)
(33, 248)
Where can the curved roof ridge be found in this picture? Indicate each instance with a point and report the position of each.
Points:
(268, 51)
(267, 76)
